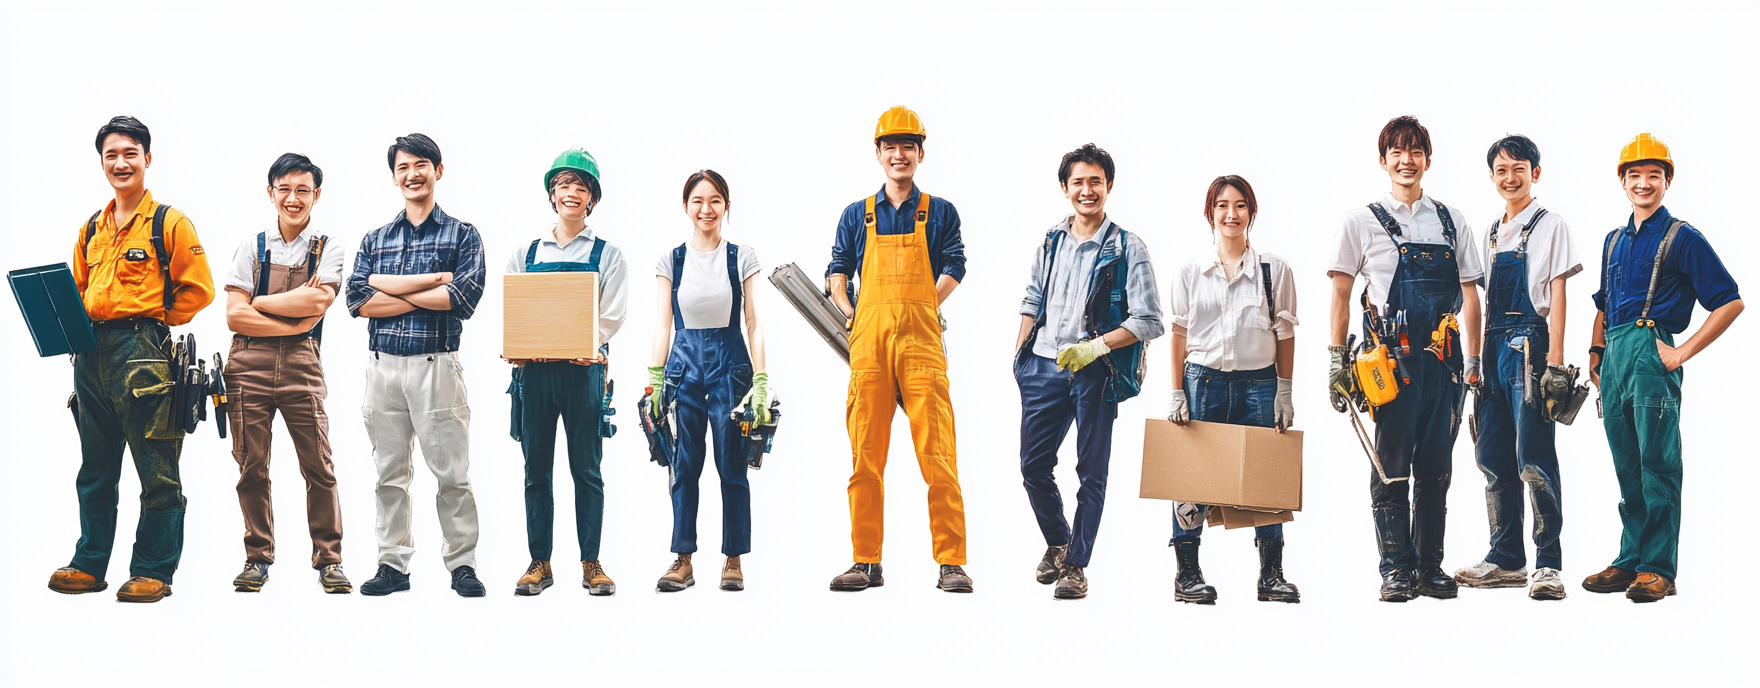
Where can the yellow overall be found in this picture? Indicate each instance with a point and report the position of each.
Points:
(895, 354)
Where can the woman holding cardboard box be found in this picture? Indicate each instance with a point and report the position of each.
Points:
(705, 371)
(1234, 319)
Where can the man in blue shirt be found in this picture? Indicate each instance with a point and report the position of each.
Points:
(1652, 270)
(419, 278)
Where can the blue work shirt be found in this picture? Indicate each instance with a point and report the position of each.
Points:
(947, 252)
(1691, 272)
(441, 244)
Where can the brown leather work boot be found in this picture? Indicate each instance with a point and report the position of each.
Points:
(143, 589)
(593, 578)
(1611, 579)
(731, 578)
(71, 581)
(537, 578)
(1649, 587)
(678, 575)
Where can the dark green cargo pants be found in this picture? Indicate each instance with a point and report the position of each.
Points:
(1641, 410)
(124, 400)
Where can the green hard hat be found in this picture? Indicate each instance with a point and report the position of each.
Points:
(577, 159)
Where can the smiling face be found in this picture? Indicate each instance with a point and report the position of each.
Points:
(415, 177)
(1514, 177)
(293, 197)
(899, 159)
(125, 163)
(705, 206)
(1405, 166)
(1230, 216)
(1645, 183)
(572, 198)
(1086, 190)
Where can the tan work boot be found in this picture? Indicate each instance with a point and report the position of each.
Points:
(731, 578)
(71, 581)
(537, 578)
(143, 589)
(678, 576)
(593, 578)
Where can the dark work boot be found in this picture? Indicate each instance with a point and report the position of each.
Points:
(1432, 582)
(859, 577)
(1051, 564)
(1272, 586)
(1396, 586)
(1188, 584)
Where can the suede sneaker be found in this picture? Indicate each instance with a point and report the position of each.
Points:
(731, 577)
(537, 578)
(1051, 565)
(1488, 575)
(143, 589)
(331, 577)
(678, 575)
(385, 581)
(252, 578)
(1548, 585)
(465, 583)
(71, 581)
(859, 577)
(954, 579)
(593, 578)
(1072, 584)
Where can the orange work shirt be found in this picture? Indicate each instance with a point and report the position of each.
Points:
(118, 272)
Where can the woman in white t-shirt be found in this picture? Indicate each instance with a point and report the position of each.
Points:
(707, 370)
(1234, 320)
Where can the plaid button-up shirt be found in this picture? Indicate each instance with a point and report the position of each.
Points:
(441, 244)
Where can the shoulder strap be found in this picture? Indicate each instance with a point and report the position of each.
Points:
(677, 276)
(1388, 224)
(1656, 270)
(733, 285)
(1607, 260)
(1529, 229)
(262, 264)
(532, 253)
(923, 216)
(1270, 302)
(1052, 239)
(314, 261)
(91, 229)
(868, 216)
(1447, 221)
(593, 258)
(164, 256)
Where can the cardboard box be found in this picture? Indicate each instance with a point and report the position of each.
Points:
(1228, 517)
(550, 315)
(1222, 465)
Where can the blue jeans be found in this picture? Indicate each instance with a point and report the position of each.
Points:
(1516, 447)
(1242, 397)
(1051, 400)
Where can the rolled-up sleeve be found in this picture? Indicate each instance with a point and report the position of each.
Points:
(846, 247)
(1035, 284)
(1143, 299)
(466, 287)
(358, 290)
(1283, 288)
(952, 246)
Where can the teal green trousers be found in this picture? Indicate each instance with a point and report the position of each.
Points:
(1641, 410)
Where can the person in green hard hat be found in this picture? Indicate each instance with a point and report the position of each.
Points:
(573, 390)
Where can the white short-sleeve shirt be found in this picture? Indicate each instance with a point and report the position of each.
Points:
(705, 297)
(1228, 326)
(613, 275)
(1550, 254)
(1363, 247)
(243, 275)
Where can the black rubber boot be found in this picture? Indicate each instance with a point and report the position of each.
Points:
(1189, 584)
(1272, 586)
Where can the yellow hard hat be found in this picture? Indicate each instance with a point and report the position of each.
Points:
(899, 120)
(1645, 147)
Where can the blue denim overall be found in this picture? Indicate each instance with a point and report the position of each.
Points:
(708, 371)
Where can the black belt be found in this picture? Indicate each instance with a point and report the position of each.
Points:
(127, 324)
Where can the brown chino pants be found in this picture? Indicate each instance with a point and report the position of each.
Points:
(263, 375)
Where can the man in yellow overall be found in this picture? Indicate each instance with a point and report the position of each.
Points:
(907, 250)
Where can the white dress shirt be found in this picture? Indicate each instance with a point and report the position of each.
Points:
(613, 277)
(1550, 253)
(1363, 247)
(1228, 326)
(243, 275)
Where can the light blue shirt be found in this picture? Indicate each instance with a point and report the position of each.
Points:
(1072, 267)
(613, 275)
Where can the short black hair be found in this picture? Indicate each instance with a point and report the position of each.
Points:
(1517, 147)
(1405, 132)
(417, 145)
(899, 138)
(1091, 154)
(126, 126)
(293, 163)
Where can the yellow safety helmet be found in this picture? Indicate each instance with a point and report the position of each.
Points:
(899, 120)
(1645, 147)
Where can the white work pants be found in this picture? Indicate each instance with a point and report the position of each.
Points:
(411, 398)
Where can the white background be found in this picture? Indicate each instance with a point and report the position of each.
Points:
(782, 98)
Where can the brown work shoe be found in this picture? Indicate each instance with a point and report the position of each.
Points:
(143, 589)
(537, 578)
(678, 575)
(71, 581)
(593, 578)
(1611, 579)
(1649, 587)
(731, 578)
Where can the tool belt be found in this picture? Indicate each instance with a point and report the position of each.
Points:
(191, 385)
(756, 440)
(1380, 364)
(662, 438)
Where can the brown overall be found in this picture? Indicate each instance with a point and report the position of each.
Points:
(263, 375)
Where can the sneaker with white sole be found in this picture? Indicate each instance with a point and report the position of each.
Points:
(1488, 575)
(1547, 585)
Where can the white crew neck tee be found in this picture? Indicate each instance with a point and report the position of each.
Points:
(705, 298)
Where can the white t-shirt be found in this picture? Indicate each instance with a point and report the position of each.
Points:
(1227, 327)
(1550, 253)
(705, 298)
(1363, 247)
(243, 275)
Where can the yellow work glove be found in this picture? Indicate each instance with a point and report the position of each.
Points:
(1078, 355)
(657, 381)
(759, 398)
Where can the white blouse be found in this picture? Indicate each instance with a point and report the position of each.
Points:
(1228, 325)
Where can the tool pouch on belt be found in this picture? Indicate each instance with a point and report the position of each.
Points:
(515, 390)
(606, 429)
(1375, 375)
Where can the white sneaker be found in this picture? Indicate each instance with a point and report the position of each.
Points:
(1547, 585)
(1488, 575)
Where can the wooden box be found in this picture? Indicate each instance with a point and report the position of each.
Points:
(550, 315)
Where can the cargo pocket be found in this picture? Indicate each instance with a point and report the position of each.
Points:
(515, 390)
(149, 388)
(451, 428)
(1658, 420)
(739, 381)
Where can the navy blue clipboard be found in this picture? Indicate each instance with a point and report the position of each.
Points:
(52, 309)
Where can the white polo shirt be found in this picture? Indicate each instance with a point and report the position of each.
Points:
(1228, 326)
(613, 277)
(1551, 254)
(243, 275)
(1363, 247)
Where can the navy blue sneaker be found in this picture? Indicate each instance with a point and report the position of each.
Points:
(465, 583)
(386, 581)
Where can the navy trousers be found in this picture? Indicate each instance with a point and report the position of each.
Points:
(1051, 400)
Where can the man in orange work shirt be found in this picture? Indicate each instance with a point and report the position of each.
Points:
(140, 269)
